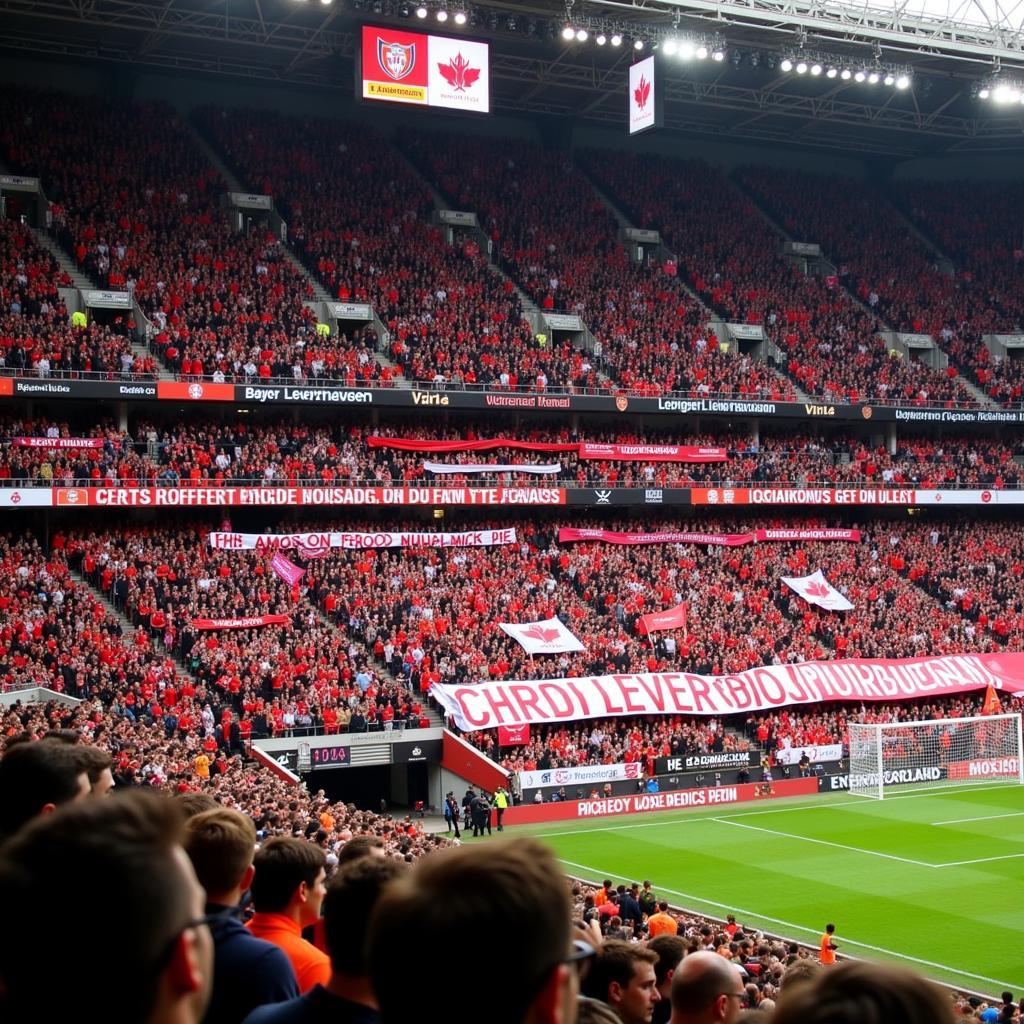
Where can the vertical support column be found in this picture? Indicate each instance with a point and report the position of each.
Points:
(122, 416)
(890, 438)
(755, 432)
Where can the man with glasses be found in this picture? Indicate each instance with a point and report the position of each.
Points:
(706, 989)
(498, 916)
(105, 911)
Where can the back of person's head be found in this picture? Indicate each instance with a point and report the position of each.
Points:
(704, 987)
(361, 846)
(221, 844)
(478, 909)
(352, 895)
(800, 972)
(129, 912)
(97, 764)
(282, 865)
(857, 992)
(670, 949)
(195, 803)
(37, 777)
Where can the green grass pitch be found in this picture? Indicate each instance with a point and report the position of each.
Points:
(933, 880)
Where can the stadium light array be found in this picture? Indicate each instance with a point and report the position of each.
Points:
(1001, 91)
(834, 66)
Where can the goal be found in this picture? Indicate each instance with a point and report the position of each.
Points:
(934, 754)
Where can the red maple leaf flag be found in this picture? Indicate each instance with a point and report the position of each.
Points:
(547, 637)
(642, 92)
(817, 590)
(458, 74)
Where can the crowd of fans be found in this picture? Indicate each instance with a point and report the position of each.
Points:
(219, 454)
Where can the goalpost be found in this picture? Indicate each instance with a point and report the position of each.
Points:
(934, 754)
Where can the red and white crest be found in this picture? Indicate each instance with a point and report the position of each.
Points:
(396, 59)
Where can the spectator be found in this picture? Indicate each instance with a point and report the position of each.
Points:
(671, 949)
(247, 972)
(707, 989)
(624, 977)
(37, 777)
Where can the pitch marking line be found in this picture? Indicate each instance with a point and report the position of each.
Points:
(731, 909)
(987, 817)
(825, 842)
(980, 860)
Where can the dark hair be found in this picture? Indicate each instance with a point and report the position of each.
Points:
(221, 844)
(670, 949)
(33, 775)
(358, 847)
(351, 896)
(858, 992)
(94, 761)
(282, 865)
(478, 907)
(617, 962)
(135, 900)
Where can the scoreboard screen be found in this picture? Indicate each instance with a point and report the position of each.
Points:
(424, 70)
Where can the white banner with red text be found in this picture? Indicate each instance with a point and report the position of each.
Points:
(817, 590)
(535, 701)
(312, 543)
(731, 540)
(539, 469)
(815, 753)
(247, 622)
(579, 775)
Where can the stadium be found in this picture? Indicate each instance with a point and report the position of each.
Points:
(446, 430)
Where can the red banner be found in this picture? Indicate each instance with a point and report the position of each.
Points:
(671, 618)
(804, 496)
(57, 442)
(510, 702)
(984, 768)
(513, 735)
(249, 622)
(652, 452)
(403, 445)
(568, 534)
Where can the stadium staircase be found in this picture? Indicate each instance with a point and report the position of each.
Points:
(126, 623)
(234, 184)
(82, 283)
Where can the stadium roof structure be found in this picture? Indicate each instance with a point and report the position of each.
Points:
(953, 52)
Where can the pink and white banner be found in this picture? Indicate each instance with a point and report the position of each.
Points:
(568, 534)
(417, 445)
(817, 590)
(305, 543)
(539, 469)
(311, 554)
(652, 452)
(815, 754)
(536, 701)
(286, 569)
(249, 622)
(547, 637)
(57, 442)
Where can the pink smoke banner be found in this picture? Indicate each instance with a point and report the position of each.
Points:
(248, 622)
(567, 534)
(652, 452)
(286, 569)
(537, 701)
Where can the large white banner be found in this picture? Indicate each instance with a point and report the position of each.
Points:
(314, 542)
(822, 752)
(643, 96)
(815, 589)
(529, 701)
(544, 469)
(584, 775)
(547, 637)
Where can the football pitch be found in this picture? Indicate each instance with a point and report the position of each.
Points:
(933, 880)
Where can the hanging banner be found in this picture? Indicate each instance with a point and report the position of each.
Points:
(672, 618)
(57, 442)
(513, 735)
(249, 622)
(581, 775)
(415, 445)
(568, 534)
(547, 637)
(817, 590)
(652, 452)
(286, 569)
(535, 701)
(544, 469)
(317, 542)
(815, 754)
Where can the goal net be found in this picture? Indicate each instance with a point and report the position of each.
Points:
(933, 754)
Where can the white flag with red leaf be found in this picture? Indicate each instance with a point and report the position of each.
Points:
(815, 589)
(547, 637)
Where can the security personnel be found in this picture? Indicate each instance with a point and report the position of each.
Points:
(500, 803)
